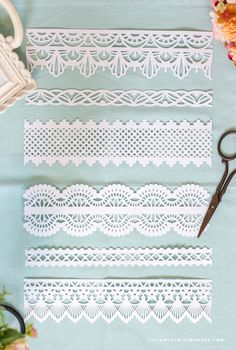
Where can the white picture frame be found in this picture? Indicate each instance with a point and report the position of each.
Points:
(15, 79)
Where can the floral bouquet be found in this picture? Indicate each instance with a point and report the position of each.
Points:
(11, 338)
(224, 25)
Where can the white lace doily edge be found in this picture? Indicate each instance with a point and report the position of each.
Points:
(33, 314)
(61, 227)
(116, 161)
(71, 257)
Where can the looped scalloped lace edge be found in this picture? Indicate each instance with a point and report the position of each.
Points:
(117, 142)
(131, 98)
(86, 257)
(116, 210)
(114, 50)
(123, 299)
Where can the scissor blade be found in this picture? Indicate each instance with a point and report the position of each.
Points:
(210, 212)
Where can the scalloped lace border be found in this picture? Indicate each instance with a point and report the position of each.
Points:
(118, 142)
(86, 257)
(131, 98)
(116, 210)
(116, 298)
(117, 51)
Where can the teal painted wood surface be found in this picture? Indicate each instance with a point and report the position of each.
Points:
(15, 178)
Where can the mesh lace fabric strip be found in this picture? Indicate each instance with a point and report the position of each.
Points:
(85, 257)
(123, 299)
(131, 98)
(117, 51)
(118, 142)
(115, 210)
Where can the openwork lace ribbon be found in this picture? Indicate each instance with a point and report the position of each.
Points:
(118, 142)
(86, 257)
(117, 51)
(131, 98)
(116, 210)
(123, 299)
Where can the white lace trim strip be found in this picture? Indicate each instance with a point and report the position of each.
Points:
(146, 51)
(86, 257)
(131, 98)
(116, 210)
(123, 299)
(118, 142)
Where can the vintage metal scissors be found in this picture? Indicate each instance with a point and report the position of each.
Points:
(224, 182)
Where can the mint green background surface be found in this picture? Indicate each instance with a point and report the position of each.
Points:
(15, 178)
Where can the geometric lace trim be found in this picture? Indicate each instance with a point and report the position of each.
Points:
(115, 210)
(86, 257)
(159, 299)
(146, 51)
(117, 142)
(131, 98)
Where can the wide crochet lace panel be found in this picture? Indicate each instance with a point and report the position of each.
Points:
(86, 257)
(116, 210)
(122, 299)
(146, 51)
(118, 142)
(131, 98)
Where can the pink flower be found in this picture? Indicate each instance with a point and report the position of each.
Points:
(217, 31)
(230, 55)
(229, 46)
(213, 2)
(19, 344)
(31, 331)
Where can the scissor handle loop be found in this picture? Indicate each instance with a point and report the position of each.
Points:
(18, 29)
(224, 157)
(17, 315)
